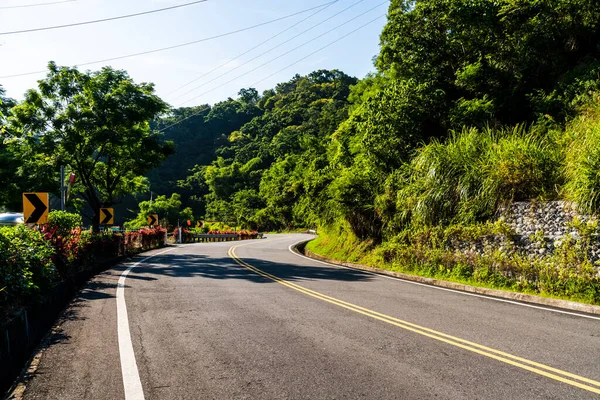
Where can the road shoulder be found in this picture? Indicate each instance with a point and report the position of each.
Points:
(494, 293)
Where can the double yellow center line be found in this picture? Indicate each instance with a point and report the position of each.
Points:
(520, 362)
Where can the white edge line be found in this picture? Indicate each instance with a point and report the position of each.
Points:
(290, 248)
(131, 376)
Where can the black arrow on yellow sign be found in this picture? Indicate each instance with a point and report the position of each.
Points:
(107, 216)
(35, 208)
(153, 220)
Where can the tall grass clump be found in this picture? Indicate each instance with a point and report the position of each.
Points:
(581, 145)
(465, 179)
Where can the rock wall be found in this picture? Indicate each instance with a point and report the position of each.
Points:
(552, 218)
(540, 227)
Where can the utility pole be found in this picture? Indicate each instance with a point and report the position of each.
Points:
(63, 188)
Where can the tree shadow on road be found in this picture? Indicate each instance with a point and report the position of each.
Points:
(189, 265)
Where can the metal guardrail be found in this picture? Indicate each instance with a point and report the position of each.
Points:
(225, 237)
(205, 237)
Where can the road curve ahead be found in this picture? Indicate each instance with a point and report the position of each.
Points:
(252, 320)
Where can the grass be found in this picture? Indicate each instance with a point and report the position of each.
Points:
(466, 177)
(581, 145)
(566, 275)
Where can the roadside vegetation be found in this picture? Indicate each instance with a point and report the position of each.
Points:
(472, 105)
(448, 253)
(34, 261)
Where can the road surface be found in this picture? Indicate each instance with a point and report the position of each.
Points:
(252, 320)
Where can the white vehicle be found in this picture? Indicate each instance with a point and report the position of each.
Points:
(11, 219)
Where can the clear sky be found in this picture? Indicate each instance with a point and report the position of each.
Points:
(171, 69)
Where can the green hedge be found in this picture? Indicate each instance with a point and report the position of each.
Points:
(32, 261)
(26, 265)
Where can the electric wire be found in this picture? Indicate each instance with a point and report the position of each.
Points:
(36, 5)
(253, 48)
(287, 52)
(269, 50)
(318, 50)
(102, 20)
(288, 66)
(177, 45)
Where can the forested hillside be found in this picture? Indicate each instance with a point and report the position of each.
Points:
(465, 110)
(197, 135)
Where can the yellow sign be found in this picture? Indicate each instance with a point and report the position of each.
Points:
(153, 220)
(35, 208)
(107, 216)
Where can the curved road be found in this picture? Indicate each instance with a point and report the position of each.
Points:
(252, 320)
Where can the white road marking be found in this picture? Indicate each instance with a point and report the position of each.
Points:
(131, 377)
(290, 248)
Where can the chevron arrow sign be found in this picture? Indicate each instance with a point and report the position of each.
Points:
(107, 216)
(35, 208)
(153, 220)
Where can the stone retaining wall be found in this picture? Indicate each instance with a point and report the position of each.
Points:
(553, 218)
(549, 224)
(538, 227)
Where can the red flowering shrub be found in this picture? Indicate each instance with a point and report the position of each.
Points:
(144, 239)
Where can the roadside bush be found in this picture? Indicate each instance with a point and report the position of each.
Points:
(581, 144)
(64, 221)
(26, 265)
(464, 179)
(142, 240)
(485, 254)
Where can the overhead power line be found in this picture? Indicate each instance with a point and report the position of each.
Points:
(177, 45)
(287, 52)
(37, 5)
(102, 20)
(281, 70)
(249, 50)
(318, 50)
(266, 52)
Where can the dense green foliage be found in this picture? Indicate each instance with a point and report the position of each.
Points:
(566, 273)
(96, 124)
(26, 265)
(473, 104)
(64, 222)
(581, 144)
(198, 132)
(466, 178)
(168, 210)
(464, 113)
(274, 166)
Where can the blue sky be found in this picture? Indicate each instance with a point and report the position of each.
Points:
(171, 69)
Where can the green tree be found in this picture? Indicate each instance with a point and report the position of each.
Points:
(507, 60)
(168, 210)
(96, 123)
(274, 168)
(197, 133)
(13, 178)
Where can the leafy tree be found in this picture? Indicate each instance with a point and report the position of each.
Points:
(96, 123)
(168, 210)
(197, 133)
(260, 178)
(508, 60)
(12, 178)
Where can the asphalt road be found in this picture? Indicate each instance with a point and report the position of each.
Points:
(204, 321)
